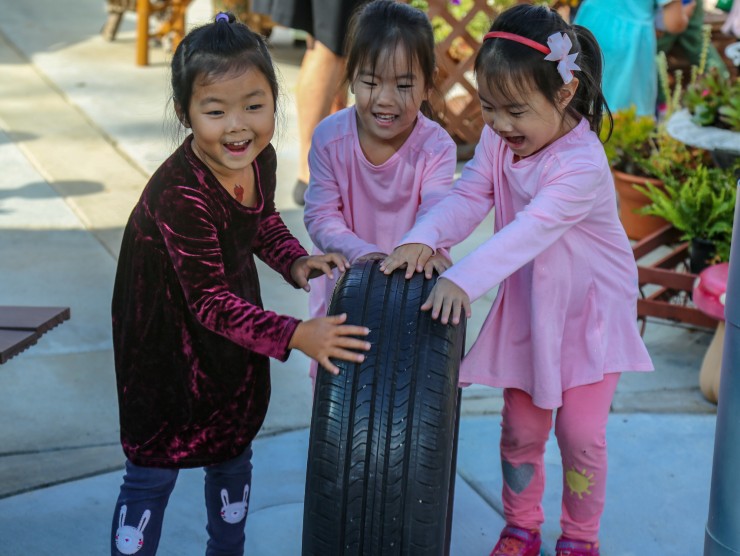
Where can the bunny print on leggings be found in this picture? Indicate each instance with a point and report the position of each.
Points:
(234, 513)
(129, 540)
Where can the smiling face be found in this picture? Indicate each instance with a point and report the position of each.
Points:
(233, 119)
(387, 100)
(526, 120)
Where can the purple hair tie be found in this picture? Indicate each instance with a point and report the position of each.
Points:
(222, 16)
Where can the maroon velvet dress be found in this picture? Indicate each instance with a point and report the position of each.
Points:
(191, 340)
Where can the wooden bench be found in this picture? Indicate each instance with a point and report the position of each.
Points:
(21, 327)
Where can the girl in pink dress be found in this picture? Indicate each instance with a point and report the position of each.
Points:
(379, 164)
(563, 325)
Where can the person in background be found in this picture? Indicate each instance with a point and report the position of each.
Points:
(319, 89)
(191, 339)
(378, 165)
(626, 33)
(563, 326)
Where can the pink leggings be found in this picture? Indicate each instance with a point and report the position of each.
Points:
(580, 428)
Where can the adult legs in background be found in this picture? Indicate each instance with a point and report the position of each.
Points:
(227, 489)
(318, 93)
(137, 521)
(580, 428)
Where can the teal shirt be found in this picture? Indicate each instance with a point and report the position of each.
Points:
(625, 30)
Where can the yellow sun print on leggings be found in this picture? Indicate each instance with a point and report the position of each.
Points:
(579, 482)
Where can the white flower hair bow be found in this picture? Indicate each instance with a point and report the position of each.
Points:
(560, 45)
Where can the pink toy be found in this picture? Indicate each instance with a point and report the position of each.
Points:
(710, 288)
(709, 297)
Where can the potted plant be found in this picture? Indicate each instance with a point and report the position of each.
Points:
(707, 113)
(714, 100)
(701, 205)
(640, 152)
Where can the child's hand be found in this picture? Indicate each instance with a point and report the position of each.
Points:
(412, 255)
(306, 268)
(325, 337)
(437, 262)
(372, 257)
(447, 297)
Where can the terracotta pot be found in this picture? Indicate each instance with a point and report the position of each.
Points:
(636, 225)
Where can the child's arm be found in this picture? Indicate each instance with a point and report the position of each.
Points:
(560, 205)
(455, 216)
(327, 337)
(323, 216)
(277, 247)
(676, 16)
(185, 220)
(437, 179)
(274, 243)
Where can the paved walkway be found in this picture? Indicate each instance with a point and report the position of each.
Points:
(80, 130)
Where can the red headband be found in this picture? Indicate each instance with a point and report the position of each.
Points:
(517, 38)
(557, 50)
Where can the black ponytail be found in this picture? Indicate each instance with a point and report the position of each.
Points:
(589, 99)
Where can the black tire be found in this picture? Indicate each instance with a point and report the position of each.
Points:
(380, 476)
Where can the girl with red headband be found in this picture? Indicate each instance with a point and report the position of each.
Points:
(563, 325)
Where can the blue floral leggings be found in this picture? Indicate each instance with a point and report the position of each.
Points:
(145, 492)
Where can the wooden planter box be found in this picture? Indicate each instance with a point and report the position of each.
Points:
(665, 282)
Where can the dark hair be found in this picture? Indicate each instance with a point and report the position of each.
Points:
(216, 49)
(381, 26)
(509, 66)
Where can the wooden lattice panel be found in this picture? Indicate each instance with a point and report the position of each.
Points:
(458, 110)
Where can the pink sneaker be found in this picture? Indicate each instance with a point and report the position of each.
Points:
(515, 541)
(570, 547)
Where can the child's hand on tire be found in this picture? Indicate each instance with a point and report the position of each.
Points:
(437, 262)
(414, 256)
(308, 267)
(445, 299)
(327, 337)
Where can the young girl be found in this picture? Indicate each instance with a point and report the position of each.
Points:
(625, 31)
(191, 339)
(563, 325)
(377, 165)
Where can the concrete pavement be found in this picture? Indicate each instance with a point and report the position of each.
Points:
(81, 128)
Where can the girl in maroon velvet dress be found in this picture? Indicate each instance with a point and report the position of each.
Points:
(191, 340)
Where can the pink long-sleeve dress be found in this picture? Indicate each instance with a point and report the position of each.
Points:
(566, 308)
(355, 207)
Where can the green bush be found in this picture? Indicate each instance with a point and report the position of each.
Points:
(700, 205)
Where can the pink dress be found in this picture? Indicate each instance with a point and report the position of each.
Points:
(566, 309)
(354, 207)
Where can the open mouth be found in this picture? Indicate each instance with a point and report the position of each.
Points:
(385, 119)
(237, 146)
(515, 141)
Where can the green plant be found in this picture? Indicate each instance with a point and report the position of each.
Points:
(713, 100)
(639, 147)
(669, 156)
(729, 113)
(629, 139)
(700, 205)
